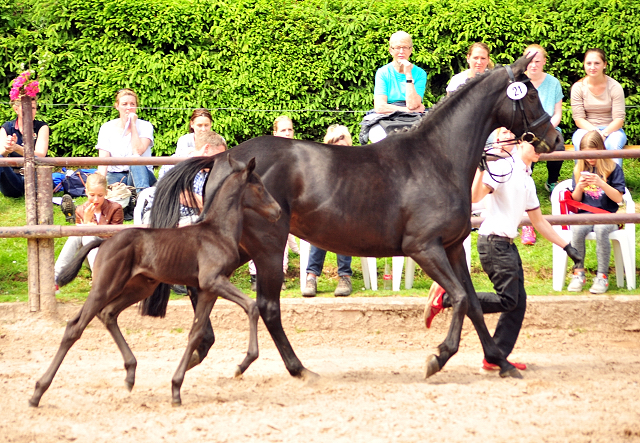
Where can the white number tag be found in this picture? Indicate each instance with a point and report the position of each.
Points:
(516, 90)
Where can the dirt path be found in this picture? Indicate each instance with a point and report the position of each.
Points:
(582, 384)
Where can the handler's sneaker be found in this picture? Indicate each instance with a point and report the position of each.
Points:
(600, 284)
(68, 208)
(577, 282)
(311, 288)
(491, 367)
(344, 286)
(434, 303)
(528, 235)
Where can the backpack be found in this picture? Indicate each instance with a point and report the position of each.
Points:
(74, 182)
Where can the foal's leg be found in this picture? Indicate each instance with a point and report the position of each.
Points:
(209, 337)
(231, 293)
(491, 351)
(72, 333)
(203, 310)
(136, 290)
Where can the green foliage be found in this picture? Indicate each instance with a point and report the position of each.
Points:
(249, 59)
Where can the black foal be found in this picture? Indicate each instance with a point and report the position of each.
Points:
(133, 262)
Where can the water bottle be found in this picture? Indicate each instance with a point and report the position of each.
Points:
(388, 279)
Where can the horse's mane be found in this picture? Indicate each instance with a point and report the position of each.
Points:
(455, 95)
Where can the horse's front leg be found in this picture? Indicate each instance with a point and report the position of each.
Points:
(491, 350)
(209, 337)
(202, 312)
(132, 293)
(269, 284)
(434, 261)
(231, 293)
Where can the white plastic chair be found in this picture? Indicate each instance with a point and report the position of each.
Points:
(367, 264)
(623, 242)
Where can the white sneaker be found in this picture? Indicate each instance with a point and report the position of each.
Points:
(600, 284)
(577, 282)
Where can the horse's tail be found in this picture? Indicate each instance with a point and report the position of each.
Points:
(165, 213)
(70, 271)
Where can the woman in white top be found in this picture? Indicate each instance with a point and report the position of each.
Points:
(127, 136)
(478, 60)
(597, 103)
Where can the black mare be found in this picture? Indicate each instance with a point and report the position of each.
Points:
(408, 195)
(130, 265)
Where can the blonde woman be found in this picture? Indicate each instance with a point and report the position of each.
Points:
(599, 183)
(127, 136)
(97, 210)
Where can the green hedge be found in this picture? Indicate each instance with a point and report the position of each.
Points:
(249, 57)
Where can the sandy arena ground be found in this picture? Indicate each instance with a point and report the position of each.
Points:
(582, 384)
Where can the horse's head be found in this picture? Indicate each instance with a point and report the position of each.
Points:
(520, 109)
(255, 195)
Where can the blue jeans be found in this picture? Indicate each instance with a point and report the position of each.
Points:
(11, 183)
(615, 141)
(138, 176)
(316, 261)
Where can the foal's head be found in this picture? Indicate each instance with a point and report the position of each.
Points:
(255, 196)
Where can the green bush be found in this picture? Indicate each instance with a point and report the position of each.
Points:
(249, 59)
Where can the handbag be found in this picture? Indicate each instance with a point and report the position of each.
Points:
(119, 193)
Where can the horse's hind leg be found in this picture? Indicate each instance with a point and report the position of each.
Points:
(209, 337)
(231, 293)
(203, 310)
(72, 333)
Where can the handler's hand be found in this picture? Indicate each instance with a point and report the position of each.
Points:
(575, 256)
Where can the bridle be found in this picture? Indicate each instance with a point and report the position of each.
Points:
(527, 135)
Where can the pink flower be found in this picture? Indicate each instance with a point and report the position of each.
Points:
(22, 85)
(14, 94)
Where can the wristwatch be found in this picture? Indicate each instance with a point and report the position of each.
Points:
(409, 80)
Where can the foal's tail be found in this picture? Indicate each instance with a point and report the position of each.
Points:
(70, 271)
(165, 213)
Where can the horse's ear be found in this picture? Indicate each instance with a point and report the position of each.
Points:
(251, 165)
(520, 65)
(235, 165)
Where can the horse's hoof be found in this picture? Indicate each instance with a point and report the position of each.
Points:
(432, 366)
(513, 373)
(195, 360)
(34, 403)
(309, 376)
(238, 373)
(176, 403)
(128, 385)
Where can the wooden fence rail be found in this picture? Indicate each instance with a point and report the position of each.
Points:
(40, 231)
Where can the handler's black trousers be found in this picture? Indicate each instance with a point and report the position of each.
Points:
(501, 261)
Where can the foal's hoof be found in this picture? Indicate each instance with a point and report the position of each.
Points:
(238, 373)
(128, 385)
(195, 360)
(33, 403)
(176, 403)
(432, 366)
(513, 373)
